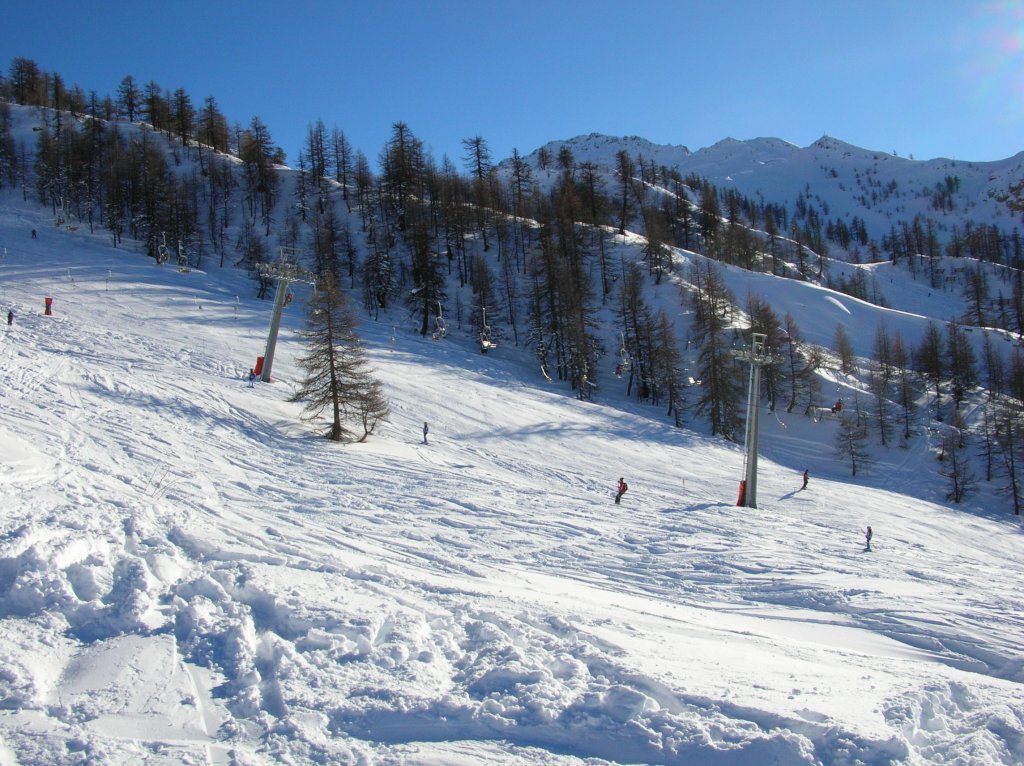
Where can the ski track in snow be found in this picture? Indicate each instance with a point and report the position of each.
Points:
(189, 575)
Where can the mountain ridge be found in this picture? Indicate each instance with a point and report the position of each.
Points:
(841, 180)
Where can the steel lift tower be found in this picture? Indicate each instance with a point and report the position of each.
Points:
(758, 356)
(285, 272)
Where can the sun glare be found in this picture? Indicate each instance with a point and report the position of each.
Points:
(990, 45)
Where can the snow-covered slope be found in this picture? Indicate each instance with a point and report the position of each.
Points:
(189, 575)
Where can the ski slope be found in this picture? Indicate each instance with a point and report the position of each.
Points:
(190, 575)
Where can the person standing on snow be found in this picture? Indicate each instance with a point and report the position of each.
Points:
(10, 317)
(252, 378)
(426, 430)
(806, 477)
(868, 534)
(620, 490)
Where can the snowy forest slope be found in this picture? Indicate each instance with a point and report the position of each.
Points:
(188, 574)
(830, 178)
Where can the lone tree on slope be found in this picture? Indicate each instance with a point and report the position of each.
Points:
(337, 369)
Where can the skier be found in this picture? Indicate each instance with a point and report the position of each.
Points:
(426, 430)
(252, 378)
(34, 234)
(806, 477)
(620, 490)
(867, 539)
(10, 317)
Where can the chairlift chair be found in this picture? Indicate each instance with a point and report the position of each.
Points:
(440, 330)
(183, 266)
(486, 344)
(624, 358)
(542, 353)
(162, 253)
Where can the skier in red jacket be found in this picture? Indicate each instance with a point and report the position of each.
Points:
(620, 490)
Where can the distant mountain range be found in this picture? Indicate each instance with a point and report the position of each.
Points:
(837, 179)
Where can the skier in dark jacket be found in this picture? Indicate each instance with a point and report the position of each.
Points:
(868, 534)
(620, 490)
(10, 317)
(806, 477)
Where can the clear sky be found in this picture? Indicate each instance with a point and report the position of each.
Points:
(922, 78)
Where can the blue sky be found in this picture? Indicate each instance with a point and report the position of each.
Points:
(942, 78)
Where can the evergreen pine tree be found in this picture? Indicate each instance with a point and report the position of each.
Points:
(764, 320)
(956, 466)
(929, 362)
(1009, 444)
(721, 386)
(844, 348)
(667, 364)
(337, 375)
(852, 438)
(963, 368)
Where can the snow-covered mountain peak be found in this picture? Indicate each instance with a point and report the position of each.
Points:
(601, 150)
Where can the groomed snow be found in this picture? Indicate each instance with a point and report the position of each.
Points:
(190, 575)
